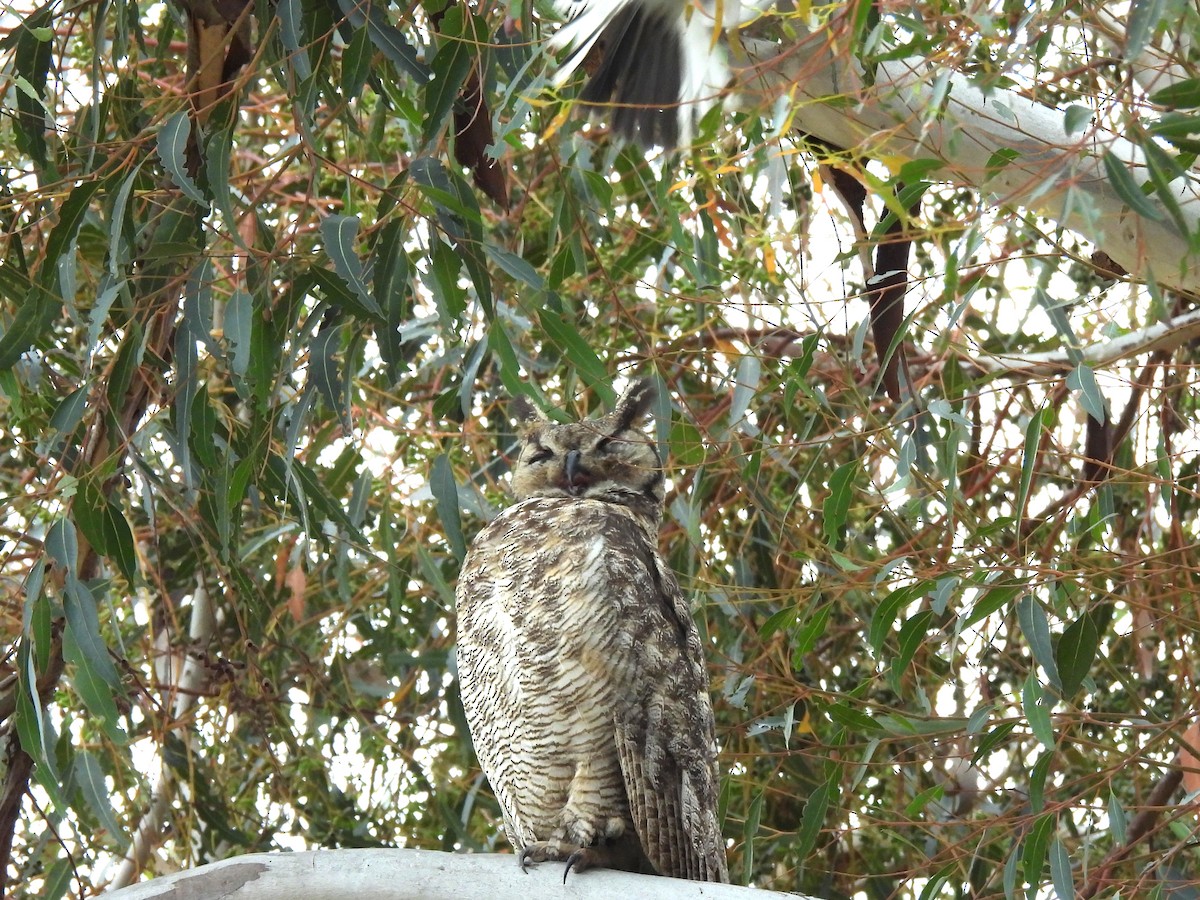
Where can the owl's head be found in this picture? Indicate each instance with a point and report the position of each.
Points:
(607, 459)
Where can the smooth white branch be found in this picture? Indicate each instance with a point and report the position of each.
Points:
(420, 875)
(916, 110)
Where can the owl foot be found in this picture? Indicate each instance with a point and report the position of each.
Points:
(578, 858)
(585, 858)
(542, 851)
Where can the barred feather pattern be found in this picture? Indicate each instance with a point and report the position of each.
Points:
(582, 672)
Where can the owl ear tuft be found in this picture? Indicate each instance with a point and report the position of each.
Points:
(635, 403)
(523, 411)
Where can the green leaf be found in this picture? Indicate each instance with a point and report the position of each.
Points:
(1144, 16)
(339, 234)
(923, 799)
(448, 294)
(83, 624)
(836, 506)
(1029, 455)
(290, 14)
(459, 47)
(356, 64)
(69, 413)
(33, 57)
(94, 677)
(1036, 628)
(814, 816)
(1075, 653)
(1037, 711)
(781, 620)
(63, 545)
(42, 303)
(202, 435)
(323, 371)
(992, 599)
(34, 729)
(992, 740)
(1118, 819)
(1037, 782)
(63, 236)
(1082, 381)
(1076, 118)
(33, 319)
(239, 328)
(172, 150)
(1033, 855)
(1127, 189)
(933, 886)
(1183, 94)
(218, 150)
(854, 720)
(458, 214)
(92, 785)
(912, 635)
(515, 266)
(887, 610)
(811, 630)
(445, 492)
(386, 36)
(565, 335)
(750, 832)
(1178, 128)
(1164, 170)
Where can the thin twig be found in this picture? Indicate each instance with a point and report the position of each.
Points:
(1138, 828)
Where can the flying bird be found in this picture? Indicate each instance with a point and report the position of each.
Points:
(662, 63)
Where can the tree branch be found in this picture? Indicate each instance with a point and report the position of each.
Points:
(902, 114)
(187, 687)
(376, 874)
(1138, 828)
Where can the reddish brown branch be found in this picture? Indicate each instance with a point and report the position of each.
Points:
(1138, 828)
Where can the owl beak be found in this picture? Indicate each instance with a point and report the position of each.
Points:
(577, 478)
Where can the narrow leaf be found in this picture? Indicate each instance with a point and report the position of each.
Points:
(1036, 628)
(445, 492)
(565, 335)
(991, 600)
(1127, 189)
(836, 506)
(450, 67)
(1029, 452)
(1183, 94)
(912, 635)
(814, 816)
(1033, 855)
(1082, 381)
(1144, 16)
(172, 150)
(1037, 711)
(33, 319)
(1075, 653)
(339, 234)
(90, 778)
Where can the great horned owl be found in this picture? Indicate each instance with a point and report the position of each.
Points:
(581, 670)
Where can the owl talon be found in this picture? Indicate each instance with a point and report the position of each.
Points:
(537, 853)
(581, 860)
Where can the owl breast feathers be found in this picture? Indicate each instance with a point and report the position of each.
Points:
(581, 670)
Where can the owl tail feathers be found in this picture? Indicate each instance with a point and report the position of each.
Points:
(662, 66)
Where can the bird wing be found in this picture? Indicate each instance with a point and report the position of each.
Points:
(666, 742)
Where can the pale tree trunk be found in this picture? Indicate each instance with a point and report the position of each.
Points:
(420, 875)
(916, 110)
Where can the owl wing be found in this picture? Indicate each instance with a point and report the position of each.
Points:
(487, 645)
(666, 740)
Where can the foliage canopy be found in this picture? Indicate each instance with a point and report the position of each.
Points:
(258, 332)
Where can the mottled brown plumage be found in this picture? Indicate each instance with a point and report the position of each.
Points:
(582, 672)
